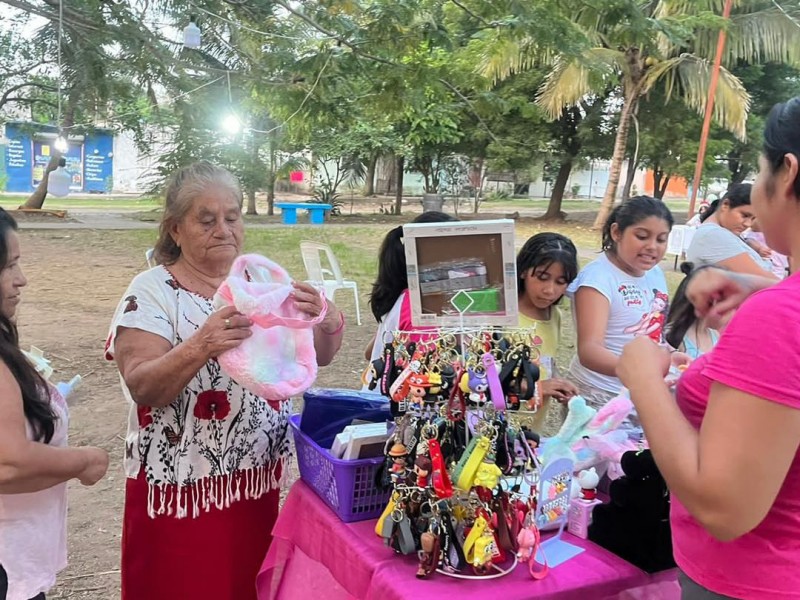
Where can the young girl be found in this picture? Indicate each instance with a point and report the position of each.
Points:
(621, 295)
(389, 300)
(684, 331)
(35, 462)
(546, 265)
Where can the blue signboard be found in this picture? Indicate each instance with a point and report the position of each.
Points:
(98, 153)
(19, 160)
(43, 151)
(90, 159)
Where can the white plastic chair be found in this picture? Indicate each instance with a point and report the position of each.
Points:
(148, 255)
(312, 259)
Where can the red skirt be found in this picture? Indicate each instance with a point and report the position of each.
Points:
(214, 556)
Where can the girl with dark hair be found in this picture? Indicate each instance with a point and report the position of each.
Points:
(727, 443)
(546, 265)
(718, 240)
(35, 463)
(684, 330)
(621, 295)
(389, 300)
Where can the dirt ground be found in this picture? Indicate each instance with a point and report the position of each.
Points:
(75, 281)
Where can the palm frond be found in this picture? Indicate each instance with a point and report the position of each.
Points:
(505, 57)
(768, 35)
(574, 78)
(690, 77)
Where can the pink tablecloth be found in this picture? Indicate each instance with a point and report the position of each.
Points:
(314, 555)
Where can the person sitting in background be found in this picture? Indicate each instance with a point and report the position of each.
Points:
(697, 219)
(35, 462)
(717, 241)
(754, 238)
(204, 456)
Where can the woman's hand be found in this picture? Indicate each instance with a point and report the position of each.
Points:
(310, 301)
(643, 362)
(715, 293)
(96, 465)
(223, 330)
(560, 389)
(307, 298)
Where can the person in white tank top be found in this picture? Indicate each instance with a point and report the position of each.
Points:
(35, 462)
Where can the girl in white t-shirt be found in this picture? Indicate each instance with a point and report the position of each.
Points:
(621, 295)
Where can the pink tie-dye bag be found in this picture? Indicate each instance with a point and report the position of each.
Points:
(279, 359)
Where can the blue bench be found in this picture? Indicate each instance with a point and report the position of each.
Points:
(316, 212)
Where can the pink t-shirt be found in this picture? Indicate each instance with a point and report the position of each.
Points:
(763, 564)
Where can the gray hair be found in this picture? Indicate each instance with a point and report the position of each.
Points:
(182, 189)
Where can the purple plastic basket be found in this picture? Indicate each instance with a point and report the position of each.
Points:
(347, 486)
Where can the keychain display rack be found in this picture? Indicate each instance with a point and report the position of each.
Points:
(468, 493)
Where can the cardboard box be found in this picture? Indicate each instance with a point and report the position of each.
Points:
(472, 261)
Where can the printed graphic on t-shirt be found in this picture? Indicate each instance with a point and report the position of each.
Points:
(631, 295)
(652, 322)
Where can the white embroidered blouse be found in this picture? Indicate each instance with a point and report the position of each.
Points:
(215, 427)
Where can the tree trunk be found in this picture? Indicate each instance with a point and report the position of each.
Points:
(617, 157)
(251, 202)
(369, 189)
(658, 175)
(626, 189)
(36, 199)
(273, 156)
(398, 195)
(660, 190)
(557, 193)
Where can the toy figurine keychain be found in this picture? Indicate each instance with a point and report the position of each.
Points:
(456, 451)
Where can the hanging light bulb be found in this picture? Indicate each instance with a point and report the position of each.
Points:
(231, 124)
(191, 34)
(61, 144)
(58, 181)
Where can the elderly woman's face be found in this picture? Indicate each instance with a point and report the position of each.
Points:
(212, 231)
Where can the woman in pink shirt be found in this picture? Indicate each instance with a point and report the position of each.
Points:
(728, 444)
(35, 463)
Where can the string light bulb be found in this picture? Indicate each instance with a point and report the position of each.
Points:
(61, 144)
(58, 180)
(191, 34)
(231, 124)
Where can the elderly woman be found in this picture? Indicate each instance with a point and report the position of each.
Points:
(203, 455)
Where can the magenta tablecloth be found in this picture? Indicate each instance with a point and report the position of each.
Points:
(316, 556)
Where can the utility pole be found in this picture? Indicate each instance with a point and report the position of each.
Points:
(712, 92)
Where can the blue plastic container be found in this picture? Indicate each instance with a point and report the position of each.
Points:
(346, 486)
(327, 412)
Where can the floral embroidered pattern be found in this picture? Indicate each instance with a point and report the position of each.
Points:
(131, 304)
(214, 427)
(212, 404)
(144, 416)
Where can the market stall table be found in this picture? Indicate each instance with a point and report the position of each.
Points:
(315, 555)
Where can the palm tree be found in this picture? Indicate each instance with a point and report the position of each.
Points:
(638, 44)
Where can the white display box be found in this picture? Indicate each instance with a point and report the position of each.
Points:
(471, 263)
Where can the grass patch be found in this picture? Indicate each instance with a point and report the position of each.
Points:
(72, 203)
